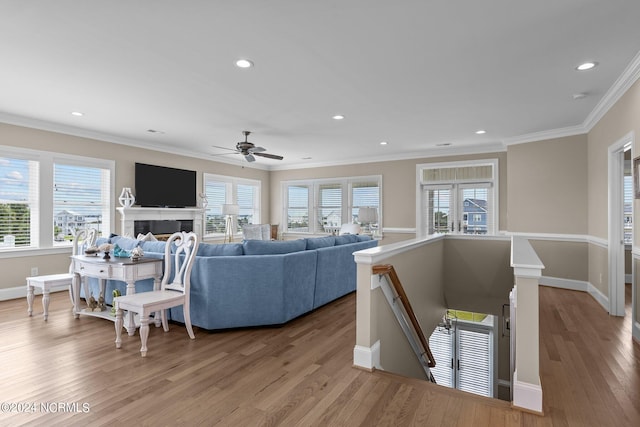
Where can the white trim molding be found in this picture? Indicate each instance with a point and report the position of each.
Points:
(367, 357)
(558, 282)
(527, 396)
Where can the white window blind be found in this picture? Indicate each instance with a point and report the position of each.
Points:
(81, 200)
(216, 192)
(364, 194)
(441, 345)
(246, 196)
(474, 362)
(628, 209)
(19, 208)
(298, 208)
(329, 205)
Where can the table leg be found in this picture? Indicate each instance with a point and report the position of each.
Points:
(130, 323)
(29, 299)
(75, 283)
(45, 301)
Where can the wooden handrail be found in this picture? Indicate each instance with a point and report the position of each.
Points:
(389, 271)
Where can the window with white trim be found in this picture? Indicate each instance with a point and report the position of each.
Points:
(464, 353)
(81, 199)
(323, 205)
(36, 185)
(220, 190)
(458, 197)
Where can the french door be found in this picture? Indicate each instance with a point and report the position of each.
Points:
(458, 208)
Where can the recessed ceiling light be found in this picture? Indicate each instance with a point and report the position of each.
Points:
(155, 131)
(338, 117)
(77, 113)
(306, 158)
(586, 66)
(579, 95)
(384, 143)
(244, 63)
(481, 132)
(444, 144)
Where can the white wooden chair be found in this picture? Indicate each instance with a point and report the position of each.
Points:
(80, 240)
(170, 295)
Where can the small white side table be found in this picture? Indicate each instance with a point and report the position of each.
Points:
(45, 283)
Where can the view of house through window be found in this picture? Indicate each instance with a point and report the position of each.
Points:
(458, 197)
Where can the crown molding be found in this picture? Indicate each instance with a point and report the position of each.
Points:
(545, 135)
(628, 77)
(31, 123)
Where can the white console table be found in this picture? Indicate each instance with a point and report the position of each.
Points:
(128, 216)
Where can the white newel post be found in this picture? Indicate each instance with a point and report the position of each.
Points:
(527, 269)
(128, 216)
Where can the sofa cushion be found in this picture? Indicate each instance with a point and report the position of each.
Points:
(269, 247)
(229, 249)
(125, 243)
(363, 238)
(320, 242)
(156, 247)
(346, 238)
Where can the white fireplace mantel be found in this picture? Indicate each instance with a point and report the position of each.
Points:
(129, 215)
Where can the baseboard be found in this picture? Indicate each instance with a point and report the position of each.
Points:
(602, 299)
(556, 282)
(577, 285)
(21, 292)
(527, 396)
(367, 357)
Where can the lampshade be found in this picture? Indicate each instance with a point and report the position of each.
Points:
(368, 215)
(230, 209)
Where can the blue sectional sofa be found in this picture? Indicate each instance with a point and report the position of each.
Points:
(258, 282)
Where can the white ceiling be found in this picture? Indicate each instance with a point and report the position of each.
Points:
(415, 73)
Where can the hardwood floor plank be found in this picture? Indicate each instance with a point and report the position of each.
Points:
(299, 374)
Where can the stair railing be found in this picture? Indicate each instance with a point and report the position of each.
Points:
(404, 311)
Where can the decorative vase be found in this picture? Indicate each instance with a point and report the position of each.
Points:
(126, 199)
(203, 200)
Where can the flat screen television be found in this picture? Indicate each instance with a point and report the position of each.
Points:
(164, 186)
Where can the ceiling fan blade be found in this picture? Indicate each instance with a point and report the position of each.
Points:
(257, 149)
(223, 148)
(269, 156)
(249, 158)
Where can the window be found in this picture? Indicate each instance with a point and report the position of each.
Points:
(19, 217)
(464, 353)
(222, 190)
(81, 199)
(628, 209)
(70, 191)
(458, 197)
(322, 206)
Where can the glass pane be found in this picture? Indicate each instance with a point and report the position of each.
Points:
(329, 207)
(628, 209)
(18, 202)
(298, 208)
(438, 210)
(78, 200)
(365, 194)
(475, 215)
(216, 196)
(246, 195)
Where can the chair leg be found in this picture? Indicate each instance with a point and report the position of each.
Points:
(119, 323)
(45, 302)
(187, 320)
(144, 333)
(29, 299)
(165, 322)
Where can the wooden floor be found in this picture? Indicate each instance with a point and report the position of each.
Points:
(68, 372)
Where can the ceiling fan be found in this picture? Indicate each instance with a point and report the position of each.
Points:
(249, 150)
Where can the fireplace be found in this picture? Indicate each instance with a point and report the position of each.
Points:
(160, 220)
(165, 226)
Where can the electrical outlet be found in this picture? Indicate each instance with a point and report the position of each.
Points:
(34, 271)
